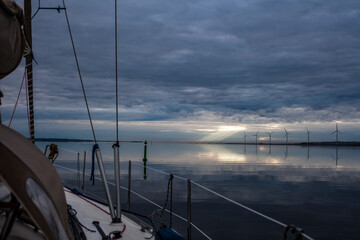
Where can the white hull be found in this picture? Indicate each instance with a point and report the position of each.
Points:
(89, 211)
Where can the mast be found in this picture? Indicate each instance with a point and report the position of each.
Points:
(29, 68)
(116, 145)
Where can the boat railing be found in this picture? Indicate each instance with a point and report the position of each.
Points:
(189, 184)
(130, 191)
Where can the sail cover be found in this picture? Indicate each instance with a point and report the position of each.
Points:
(12, 41)
(34, 182)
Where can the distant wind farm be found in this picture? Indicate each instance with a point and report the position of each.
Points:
(287, 140)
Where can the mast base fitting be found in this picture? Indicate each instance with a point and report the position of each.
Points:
(116, 220)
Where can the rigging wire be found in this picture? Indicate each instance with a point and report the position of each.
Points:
(78, 68)
(17, 100)
(36, 10)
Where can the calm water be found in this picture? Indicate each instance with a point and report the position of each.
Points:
(316, 188)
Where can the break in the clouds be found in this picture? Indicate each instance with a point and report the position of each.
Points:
(254, 65)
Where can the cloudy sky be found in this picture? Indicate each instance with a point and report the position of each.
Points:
(196, 70)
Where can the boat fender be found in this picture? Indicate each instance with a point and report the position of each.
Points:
(166, 233)
(296, 232)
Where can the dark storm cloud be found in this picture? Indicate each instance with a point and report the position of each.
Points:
(279, 60)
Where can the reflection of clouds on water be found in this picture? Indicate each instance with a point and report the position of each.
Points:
(219, 153)
(280, 185)
(312, 188)
(297, 156)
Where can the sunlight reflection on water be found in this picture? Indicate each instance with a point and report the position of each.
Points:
(316, 188)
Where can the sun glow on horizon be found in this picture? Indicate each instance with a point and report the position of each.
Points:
(222, 132)
(231, 128)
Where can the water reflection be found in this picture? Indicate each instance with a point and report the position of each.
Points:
(316, 188)
(302, 156)
(219, 153)
(308, 153)
(337, 155)
(275, 155)
(269, 149)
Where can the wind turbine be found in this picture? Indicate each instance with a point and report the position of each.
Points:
(337, 133)
(286, 135)
(256, 135)
(269, 136)
(244, 137)
(308, 134)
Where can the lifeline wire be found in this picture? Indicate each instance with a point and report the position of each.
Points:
(245, 207)
(230, 200)
(159, 171)
(78, 68)
(68, 150)
(142, 197)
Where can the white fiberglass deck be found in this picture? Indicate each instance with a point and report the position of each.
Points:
(89, 211)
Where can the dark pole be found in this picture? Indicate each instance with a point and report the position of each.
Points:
(1, 96)
(78, 170)
(83, 174)
(29, 68)
(188, 209)
(145, 159)
(129, 186)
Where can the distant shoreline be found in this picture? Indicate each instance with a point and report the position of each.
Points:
(331, 144)
(76, 140)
